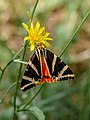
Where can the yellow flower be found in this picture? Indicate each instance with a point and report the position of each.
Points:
(36, 35)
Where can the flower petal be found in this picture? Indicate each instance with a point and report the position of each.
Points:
(32, 46)
(42, 29)
(36, 35)
(48, 39)
(31, 25)
(25, 26)
(46, 34)
(46, 43)
(37, 25)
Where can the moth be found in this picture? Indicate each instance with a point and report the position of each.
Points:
(44, 66)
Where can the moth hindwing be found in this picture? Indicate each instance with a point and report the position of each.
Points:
(44, 66)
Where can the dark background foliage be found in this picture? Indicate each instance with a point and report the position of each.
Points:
(69, 100)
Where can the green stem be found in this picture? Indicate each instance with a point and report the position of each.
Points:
(26, 105)
(75, 32)
(3, 70)
(19, 61)
(34, 10)
(18, 52)
(11, 86)
(20, 110)
(57, 96)
(19, 76)
(42, 85)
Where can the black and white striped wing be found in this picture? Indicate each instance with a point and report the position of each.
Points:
(58, 69)
(32, 73)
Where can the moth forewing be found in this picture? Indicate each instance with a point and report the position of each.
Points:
(44, 66)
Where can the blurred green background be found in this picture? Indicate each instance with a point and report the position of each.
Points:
(68, 100)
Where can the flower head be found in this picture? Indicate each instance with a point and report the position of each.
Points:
(36, 35)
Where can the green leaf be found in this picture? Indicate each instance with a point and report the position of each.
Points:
(37, 112)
